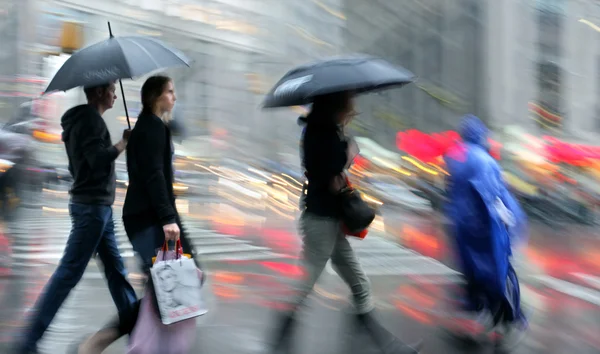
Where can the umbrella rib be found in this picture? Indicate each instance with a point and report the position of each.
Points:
(179, 56)
(143, 49)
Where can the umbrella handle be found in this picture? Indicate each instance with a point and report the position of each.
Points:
(125, 104)
(121, 85)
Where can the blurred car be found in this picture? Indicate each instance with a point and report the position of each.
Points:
(392, 191)
(435, 195)
(17, 169)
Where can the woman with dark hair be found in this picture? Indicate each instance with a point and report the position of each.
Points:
(149, 212)
(326, 153)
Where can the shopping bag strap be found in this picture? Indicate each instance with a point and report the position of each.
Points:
(178, 250)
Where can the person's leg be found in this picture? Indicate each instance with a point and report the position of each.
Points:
(121, 291)
(87, 228)
(318, 242)
(319, 238)
(145, 243)
(348, 267)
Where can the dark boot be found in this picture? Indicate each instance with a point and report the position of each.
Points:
(386, 341)
(282, 340)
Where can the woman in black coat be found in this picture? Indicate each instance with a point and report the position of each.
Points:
(326, 154)
(149, 212)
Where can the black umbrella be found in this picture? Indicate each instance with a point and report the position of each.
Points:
(114, 59)
(358, 73)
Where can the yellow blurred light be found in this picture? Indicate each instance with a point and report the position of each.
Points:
(590, 24)
(5, 165)
(329, 10)
(304, 34)
(419, 165)
(402, 171)
(440, 169)
(123, 119)
(371, 199)
(300, 110)
(180, 186)
(292, 178)
(46, 137)
(55, 210)
(71, 36)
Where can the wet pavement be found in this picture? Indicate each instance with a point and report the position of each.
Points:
(251, 267)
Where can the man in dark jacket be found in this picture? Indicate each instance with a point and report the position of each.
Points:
(92, 164)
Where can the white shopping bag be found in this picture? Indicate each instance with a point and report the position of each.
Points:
(177, 287)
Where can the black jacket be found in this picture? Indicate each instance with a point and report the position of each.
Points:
(324, 157)
(91, 156)
(150, 199)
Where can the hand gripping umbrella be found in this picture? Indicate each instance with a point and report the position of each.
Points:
(114, 59)
(359, 73)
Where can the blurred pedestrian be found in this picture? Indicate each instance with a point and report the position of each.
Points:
(92, 164)
(326, 153)
(486, 222)
(150, 216)
(149, 212)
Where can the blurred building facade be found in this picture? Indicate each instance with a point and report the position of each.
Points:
(548, 56)
(216, 35)
(239, 49)
(439, 40)
(530, 63)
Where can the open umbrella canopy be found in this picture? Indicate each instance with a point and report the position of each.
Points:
(113, 59)
(359, 73)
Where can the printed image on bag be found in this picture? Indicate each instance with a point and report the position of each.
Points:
(178, 290)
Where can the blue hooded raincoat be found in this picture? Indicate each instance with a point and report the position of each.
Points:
(483, 239)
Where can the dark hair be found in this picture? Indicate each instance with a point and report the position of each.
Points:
(152, 89)
(91, 90)
(326, 108)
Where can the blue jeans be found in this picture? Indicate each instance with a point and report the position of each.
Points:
(92, 231)
(145, 243)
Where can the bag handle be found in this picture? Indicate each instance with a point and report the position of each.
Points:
(178, 249)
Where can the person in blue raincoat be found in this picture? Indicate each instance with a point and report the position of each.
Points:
(485, 222)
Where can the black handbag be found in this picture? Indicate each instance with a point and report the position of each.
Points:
(357, 215)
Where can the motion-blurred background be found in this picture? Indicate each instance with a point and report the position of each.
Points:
(529, 68)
